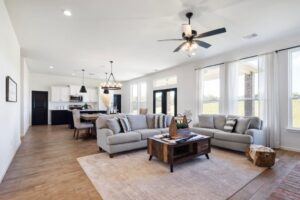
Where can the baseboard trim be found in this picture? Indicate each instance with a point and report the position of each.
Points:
(290, 149)
(11, 159)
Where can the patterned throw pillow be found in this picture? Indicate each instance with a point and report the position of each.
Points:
(160, 121)
(230, 124)
(125, 124)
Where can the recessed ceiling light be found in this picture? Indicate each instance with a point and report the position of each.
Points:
(250, 36)
(51, 67)
(67, 13)
(73, 74)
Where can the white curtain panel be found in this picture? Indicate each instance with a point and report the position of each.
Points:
(232, 89)
(223, 101)
(199, 92)
(269, 98)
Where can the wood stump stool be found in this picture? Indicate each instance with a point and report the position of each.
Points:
(261, 156)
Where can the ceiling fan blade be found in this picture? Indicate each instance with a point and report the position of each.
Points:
(165, 40)
(179, 47)
(210, 33)
(202, 44)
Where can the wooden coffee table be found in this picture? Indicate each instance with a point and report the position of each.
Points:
(175, 153)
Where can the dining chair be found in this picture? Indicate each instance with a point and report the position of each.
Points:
(143, 111)
(80, 125)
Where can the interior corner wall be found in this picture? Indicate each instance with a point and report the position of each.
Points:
(9, 111)
(25, 100)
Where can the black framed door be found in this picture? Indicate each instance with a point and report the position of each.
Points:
(165, 101)
(39, 108)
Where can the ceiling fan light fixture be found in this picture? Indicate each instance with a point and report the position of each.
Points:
(187, 30)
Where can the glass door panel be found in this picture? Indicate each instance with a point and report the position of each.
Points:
(171, 103)
(165, 101)
(158, 102)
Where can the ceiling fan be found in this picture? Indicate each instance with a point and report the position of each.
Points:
(190, 37)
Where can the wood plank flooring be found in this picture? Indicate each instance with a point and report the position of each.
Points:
(45, 167)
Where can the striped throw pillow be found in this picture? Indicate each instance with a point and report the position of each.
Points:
(230, 124)
(125, 124)
(160, 121)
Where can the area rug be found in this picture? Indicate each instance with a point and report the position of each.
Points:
(133, 176)
(289, 188)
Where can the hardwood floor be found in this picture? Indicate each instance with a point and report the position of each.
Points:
(45, 167)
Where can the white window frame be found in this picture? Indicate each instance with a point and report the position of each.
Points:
(221, 85)
(139, 92)
(166, 80)
(253, 99)
(290, 92)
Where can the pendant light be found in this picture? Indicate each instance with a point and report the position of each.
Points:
(111, 83)
(106, 91)
(83, 89)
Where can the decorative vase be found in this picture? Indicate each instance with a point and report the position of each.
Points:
(173, 129)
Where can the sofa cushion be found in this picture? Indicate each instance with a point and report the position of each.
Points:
(137, 122)
(163, 130)
(123, 138)
(114, 125)
(145, 133)
(101, 120)
(255, 123)
(206, 121)
(233, 137)
(242, 125)
(203, 131)
(150, 120)
(219, 121)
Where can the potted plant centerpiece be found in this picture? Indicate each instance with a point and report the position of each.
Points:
(179, 125)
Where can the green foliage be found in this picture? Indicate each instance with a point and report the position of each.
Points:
(182, 125)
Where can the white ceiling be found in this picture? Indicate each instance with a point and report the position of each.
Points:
(127, 31)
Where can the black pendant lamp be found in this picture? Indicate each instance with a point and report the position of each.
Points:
(83, 89)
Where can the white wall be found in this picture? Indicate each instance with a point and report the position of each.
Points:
(185, 88)
(9, 111)
(187, 83)
(25, 98)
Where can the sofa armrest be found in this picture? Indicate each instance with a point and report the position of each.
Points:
(196, 125)
(259, 137)
(104, 132)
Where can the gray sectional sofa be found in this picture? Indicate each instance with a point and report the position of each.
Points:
(248, 130)
(142, 127)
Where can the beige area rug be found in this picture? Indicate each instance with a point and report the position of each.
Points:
(132, 176)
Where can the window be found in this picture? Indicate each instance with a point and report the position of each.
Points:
(172, 80)
(248, 87)
(138, 97)
(134, 98)
(294, 88)
(211, 90)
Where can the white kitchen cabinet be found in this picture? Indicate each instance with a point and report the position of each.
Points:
(74, 90)
(65, 94)
(93, 94)
(60, 93)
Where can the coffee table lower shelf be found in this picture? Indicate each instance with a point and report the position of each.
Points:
(177, 153)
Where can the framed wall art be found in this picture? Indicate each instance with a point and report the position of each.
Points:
(11, 90)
